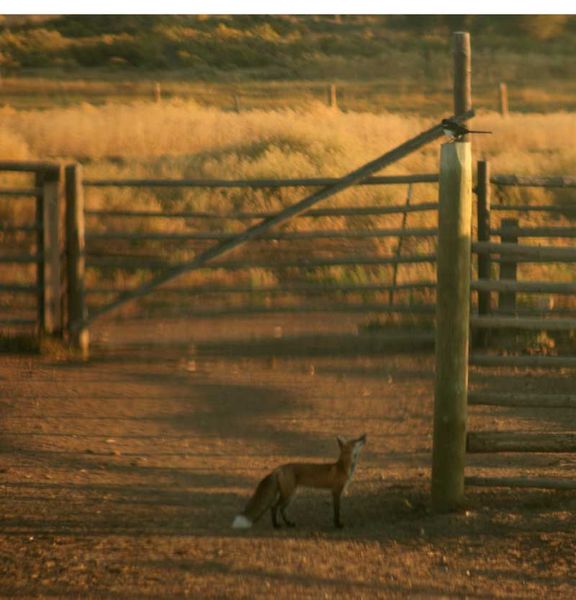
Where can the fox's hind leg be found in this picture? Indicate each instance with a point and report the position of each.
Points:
(281, 504)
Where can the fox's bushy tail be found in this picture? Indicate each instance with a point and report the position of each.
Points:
(263, 498)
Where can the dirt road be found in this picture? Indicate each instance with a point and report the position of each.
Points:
(119, 478)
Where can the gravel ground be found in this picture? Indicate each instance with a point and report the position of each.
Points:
(119, 477)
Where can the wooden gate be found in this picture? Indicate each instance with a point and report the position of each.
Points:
(31, 238)
(264, 228)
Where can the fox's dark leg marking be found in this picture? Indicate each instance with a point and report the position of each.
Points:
(283, 508)
(274, 513)
(336, 500)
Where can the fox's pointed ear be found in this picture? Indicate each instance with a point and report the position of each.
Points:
(341, 441)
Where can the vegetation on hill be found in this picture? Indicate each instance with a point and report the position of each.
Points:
(286, 47)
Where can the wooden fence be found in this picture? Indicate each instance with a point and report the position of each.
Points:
(31, 261)
(508, 313)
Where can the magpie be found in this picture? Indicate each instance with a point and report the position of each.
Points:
(455, 131)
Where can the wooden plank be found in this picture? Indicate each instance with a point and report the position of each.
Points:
(509, 250)
(311, 288)
(362, 308)
(512, 441)
(20, 288)
(22, 259)
(26, 192)
(519, 399)
(302, 263)
(534, 208)
(534, 181)
(283, 216)
(531, 323)
(17, 322)
(452, 325)
(319, 212)
(522, 482)
(19, 228)
(281, 235)
(566, 232)
(29, 166)
(535, 287)
(259, 183)
(534, 362)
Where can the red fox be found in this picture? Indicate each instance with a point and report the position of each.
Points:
(277, 489)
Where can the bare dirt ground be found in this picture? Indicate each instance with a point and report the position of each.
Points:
(119, 478)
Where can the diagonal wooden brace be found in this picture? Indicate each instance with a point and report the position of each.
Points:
(288, 213)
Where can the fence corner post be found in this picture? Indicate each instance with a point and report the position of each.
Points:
(78, 333)
(49, 240)
(452, 326)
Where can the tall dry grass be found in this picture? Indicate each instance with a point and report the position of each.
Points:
(182, 139)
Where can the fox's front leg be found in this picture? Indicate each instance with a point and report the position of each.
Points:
(336, 500)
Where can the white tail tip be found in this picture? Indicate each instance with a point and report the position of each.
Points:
(241, 522)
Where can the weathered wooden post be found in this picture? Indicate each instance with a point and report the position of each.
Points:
(75, 250)
(508, 266)
(453, 298)
(452, 326)
(483, 216)
(462, 72)
(332, 96)
(49, 239)
(157, 92)
(484, 263)
(503, 98)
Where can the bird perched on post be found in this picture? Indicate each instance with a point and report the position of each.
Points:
(455, 131)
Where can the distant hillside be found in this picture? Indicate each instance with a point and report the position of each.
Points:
(285, 47)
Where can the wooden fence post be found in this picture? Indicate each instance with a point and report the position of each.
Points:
(49, 239)
(462, 72)
(484, 263)
(75, 264)
(503, 98)
(332, 96)
(452, 326)
(157, 91)
(508, 266)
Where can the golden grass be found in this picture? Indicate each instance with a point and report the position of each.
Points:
(182, 139)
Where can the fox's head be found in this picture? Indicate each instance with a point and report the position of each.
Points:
(350, 452)
(351, 448)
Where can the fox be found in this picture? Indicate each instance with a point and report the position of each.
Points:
(277, 489)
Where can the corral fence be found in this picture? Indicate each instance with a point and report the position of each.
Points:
(31, 235)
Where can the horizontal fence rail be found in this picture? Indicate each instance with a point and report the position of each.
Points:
(534, 181)
(155, 263)
(279, 235)
(257, 183)
(315, 212)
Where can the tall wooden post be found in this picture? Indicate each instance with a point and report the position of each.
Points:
(75, 264)
(503, 98)
(49, 240)
(461, 54)
(452, 326)
(484, 270)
